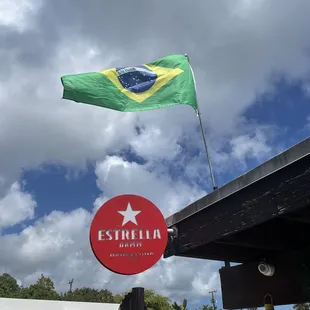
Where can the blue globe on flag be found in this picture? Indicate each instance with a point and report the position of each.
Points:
(136, 79)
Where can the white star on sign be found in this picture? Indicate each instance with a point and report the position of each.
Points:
(129, 215)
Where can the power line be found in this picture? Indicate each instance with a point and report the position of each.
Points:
(213, 301)
(70, 283)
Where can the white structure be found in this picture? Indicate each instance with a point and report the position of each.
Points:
(31, 304)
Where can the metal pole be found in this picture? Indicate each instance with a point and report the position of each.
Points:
(213, 301)
(227, 264)
(204, 136)
(206, 148)
(70, 283)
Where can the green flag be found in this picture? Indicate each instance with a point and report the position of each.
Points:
(159, 84)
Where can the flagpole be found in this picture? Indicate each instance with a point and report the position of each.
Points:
(204, 136)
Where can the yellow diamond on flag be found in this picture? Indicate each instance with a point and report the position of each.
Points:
(140, 82)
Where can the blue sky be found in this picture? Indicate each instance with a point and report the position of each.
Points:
(54, 188)
(61, 160)
(285, 108)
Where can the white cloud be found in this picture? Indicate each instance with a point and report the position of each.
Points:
(166, 144)
(15, 207)
(246, 146)
(117, 176)
(46, 129)
(308, 123)
(17, 14)
(47, 244)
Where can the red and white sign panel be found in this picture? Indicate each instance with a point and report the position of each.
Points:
(128, 234)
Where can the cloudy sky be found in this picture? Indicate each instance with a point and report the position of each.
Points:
(60, 160)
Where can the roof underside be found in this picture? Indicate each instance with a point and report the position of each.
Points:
(260, 214)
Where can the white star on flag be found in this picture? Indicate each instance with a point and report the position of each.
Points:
(129, 215)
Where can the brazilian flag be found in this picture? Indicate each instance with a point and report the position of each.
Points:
(159, 84)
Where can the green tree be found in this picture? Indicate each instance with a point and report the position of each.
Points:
(87, 294)
(106, 296)
(154, 301)
(206, 307)
(43, 289)
(175, 306)
(305, 306)
(118, 298)
(8, 286)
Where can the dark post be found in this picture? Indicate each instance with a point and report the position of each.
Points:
(126, 303)
(137, 298)
(129, 303)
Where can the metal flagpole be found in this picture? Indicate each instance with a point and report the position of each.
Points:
(203, 134)
(207, 152)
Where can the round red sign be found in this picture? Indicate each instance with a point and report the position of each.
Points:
(128, 234)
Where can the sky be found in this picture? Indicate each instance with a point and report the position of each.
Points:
(61, 160)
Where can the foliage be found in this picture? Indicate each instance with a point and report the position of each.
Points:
(154, 301)
(175, 306)
(8, 286)
(206, 307)
(305, 306)
(89, 295)
(118, 298)
(44, 289)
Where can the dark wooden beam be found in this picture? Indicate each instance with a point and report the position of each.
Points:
(254, 205)
(272, 236)
(255, 245)
(227, 252)
(263, 171)
(252, 216)
(297, 219)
